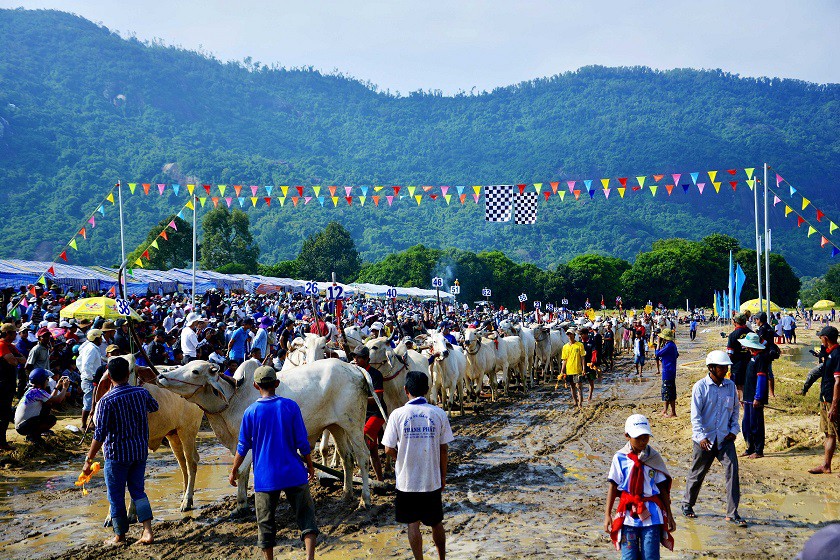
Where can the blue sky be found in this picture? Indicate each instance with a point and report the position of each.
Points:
(452, 46)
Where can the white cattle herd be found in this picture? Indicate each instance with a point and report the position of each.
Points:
(333, 393)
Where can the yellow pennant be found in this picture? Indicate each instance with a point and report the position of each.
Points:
(832, 226)
(712, 175)
(154, 244)
(749, 171)
(477, 189)
(641, 181)
(805, 202)
(418, 198)
(562, 195)
(788, 210)
(73, 244)
(110, 198)
(605, 182)
(202, 200)
(282, 200)
(717, 186)
(411, 191)
(253, 201)
(378, 188)
(285, 190)
(811, 231)
(190, 188)
(335, 200)
(316, 190)
(621, 191)
(538, 187)
(139, 263)
(42, 281)
(190, 205)
(751, 183)
(653, 189)
(131, 187)
(362, 200)
(222, 189)
(447, 197)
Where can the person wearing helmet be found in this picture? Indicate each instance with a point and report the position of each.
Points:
(714, 423)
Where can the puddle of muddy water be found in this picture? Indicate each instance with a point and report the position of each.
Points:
(44, 523)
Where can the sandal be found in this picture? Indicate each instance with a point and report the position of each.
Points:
(737, 521)
(688, 511)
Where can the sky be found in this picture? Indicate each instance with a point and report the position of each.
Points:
(479, 45)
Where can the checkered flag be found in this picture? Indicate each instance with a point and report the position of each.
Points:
(497, 203)
(526, 208)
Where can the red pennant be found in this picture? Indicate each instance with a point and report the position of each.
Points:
(51, 270)
(332, 190)
(658, 178)
(113, 291)
(164, 235)
(433, 196)
(820, 215)
(299, 190)
(375, 199)
(267, 200)
(33, 291)
(238, 189)
(63, 255)
(83, 233)
(295, 200)
(799, 221)
(734, 185)
(145, 254)
(207, 188)
(146, 187)
(637, 188)
(732, 171)
(396, 190)
(669, 188)
(349, 200)
(546, 194)
(521, 188)
(623, 181)
(823, 242)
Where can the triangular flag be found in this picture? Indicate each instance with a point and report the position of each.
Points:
(145, 254)
(215, 200)
(269, 188)
(299, 189)
(751, 183)
(254, 201)
(349, 200)
(207, 189)
(63, 255)
(222, 190)
(285, 190)
(732, 171)
(621, 191)
(254, 189)
(42, 281)
(712, 175)
(694, 177)
(476, 197)
(380, 187)
(321, 201)
(477, 189)
(444, 190)
(788, 210)
(190, 188)
(461, 197)
(433, 196)
(51, 271)
(779, 180)
(670, 189)
(316, 190)
(92, 221)
(623, 181)
(164, 235)
(229, 200)
(685, 188)
(347, 191)
(190, 204)
(418, 198)
(161, 187)
(132, 187)
(460, 189)
(282, 201)
(332, 190)
(154, 244)
(831, 227)
(792, 191)
(376, 198)
(577, 194)
(776, 200)
(676, 177)
(146, 187)
(799, 221)
(805, 202)
(237, 189)
(83, 233)
(571, 185)
(607, 193)
(139, 263)
(390, 199)
(717, 186)
(835, 251)
(306, 200)
(749, 171)
(811, 230)
(656, 178)
(700, 187)
(101, 210)
(32, 291)
(73, 244)
(562, 195)
(538, 187)
(605, 182)
(653, 190)
(267, 200)
(588, 183)
(733, 184)
(823, 241)
(411, 190)
(820, 215)
(425, 189)
(202, 200)
(641, 179)
(521, 188)
(554, 187)
(547, 195)
(362, 200)
(110, 198)
(591, 194)
(176, 189)
(295, 200)
(241, 200)
(396, 190)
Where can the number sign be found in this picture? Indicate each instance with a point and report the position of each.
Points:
(122, 307)
(391, 293)
(311, 288)
(437, 282)
(486, 292)
(335, 293)
(523, 298)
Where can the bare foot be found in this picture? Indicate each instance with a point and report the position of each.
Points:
(820, 470)
(146, 538)
(672, 415)
(118, 540)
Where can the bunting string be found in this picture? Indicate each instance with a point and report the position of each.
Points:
(164, 234)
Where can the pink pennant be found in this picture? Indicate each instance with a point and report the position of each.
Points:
(173, 226)
(776, 200)
(254, 189)
(443, 190)
(607, 191)
(390, 199)
(306, 199)
(475, 197)
(700, 187)
(228, 199)
(161, 187)
(778, 180)
(347, 191)
(676, 177)
(571, 186)
(92, 221)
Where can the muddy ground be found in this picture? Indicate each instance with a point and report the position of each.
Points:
(527, 480)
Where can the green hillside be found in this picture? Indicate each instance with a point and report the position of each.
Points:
(81, 107)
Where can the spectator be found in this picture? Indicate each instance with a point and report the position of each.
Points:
(32, 416)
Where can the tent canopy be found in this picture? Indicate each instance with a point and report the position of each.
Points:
(752, 306)
(90, 308)
(824, 304)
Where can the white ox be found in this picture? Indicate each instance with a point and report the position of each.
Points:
(558, 339)
(481, 360)
(526, 336)
(447, 373)
(542, 351)
(305, 351)
(332, 395)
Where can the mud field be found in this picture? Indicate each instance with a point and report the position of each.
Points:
(526, 480)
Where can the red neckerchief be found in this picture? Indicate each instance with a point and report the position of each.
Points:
(635, 500)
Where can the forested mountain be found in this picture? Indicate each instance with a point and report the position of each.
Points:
(81, 106)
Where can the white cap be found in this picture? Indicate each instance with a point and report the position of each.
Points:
(377, 326)
(192, 318)
(637, 425)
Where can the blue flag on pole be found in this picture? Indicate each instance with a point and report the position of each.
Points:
(740, 279)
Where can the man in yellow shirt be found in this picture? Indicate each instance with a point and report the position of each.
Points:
(572, 367)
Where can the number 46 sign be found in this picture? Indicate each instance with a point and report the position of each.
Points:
(523, 298)
(437, 282)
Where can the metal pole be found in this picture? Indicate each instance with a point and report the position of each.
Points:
(195, 247)
(757, 249)
(122, 232)
(767, 245)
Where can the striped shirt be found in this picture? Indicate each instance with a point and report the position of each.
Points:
(620, 474)
(122, 423)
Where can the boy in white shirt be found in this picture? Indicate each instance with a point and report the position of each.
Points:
(417, 436)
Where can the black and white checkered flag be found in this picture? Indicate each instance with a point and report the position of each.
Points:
(497, 203)
(526, 208)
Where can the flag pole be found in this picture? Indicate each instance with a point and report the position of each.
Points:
(766, 244)
(194, 248)
(122, 234)
(757, 248)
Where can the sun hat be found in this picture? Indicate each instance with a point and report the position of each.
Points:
(93, 334)
(752, 341)
(112, 348)
(266, 322)
(193, 318)
(8, 327)
(667, 334)
(264, 374)
(377, 326)
(109, 326)
(637, 425)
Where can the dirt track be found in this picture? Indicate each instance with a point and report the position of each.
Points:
(526, 481)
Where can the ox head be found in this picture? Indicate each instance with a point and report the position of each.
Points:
(379, 352)
(201, 383)
(440, 346)
(472, 339)
(314, 346)
(354, 336)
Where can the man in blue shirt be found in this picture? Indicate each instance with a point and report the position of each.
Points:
(273, 430)
(668, 354)
(238, 345)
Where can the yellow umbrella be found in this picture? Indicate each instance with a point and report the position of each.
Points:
(824, 304)
(90, 308)
(752, 306)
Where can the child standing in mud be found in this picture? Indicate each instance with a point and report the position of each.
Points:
(640, 480)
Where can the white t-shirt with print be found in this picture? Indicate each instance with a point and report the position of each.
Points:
(416, 431)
